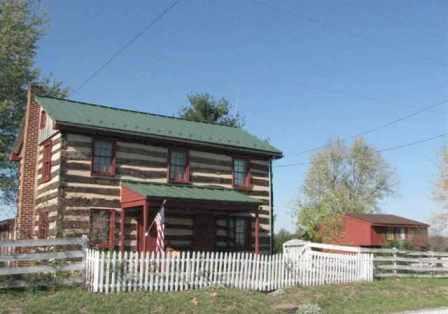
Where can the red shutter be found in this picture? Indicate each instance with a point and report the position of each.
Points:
(112, 230)
(248, 180)
(113, 165)
(43, 225)
(248, 234)
(187, 174)
(43, 119)
(46, 167)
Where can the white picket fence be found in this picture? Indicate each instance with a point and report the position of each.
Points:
(132, 271)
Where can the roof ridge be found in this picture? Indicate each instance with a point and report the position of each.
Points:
(138, 111)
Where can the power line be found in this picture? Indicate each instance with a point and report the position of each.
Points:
(366, 132)
(386, 149)
(413, 143)
(385, 125)
(292, 164)
(126, 45)
(350, 32)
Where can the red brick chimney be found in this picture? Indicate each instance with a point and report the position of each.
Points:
(28, 171)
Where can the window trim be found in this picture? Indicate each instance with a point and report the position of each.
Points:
(43, 120)
(110, 243)
(46, 160)
(113, 170)
(248, 178)
(187, 173)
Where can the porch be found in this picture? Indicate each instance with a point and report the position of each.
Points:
(196, 218)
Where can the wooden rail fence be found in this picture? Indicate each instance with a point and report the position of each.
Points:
(115, 272)
(24, 257)
(402, 263)
(388, 262)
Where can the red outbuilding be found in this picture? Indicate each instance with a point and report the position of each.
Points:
(376, 230)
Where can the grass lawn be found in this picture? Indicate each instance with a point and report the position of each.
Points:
(383, 296)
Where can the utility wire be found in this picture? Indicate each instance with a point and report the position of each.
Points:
(385, 125)
(126, 45)
(412, 143)
(366, 132)
(386, 149)
(314, 20)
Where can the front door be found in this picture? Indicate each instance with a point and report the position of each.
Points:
(151, 234)
(204, 233)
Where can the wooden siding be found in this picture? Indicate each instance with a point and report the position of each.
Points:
(147, 163)
(47, 193)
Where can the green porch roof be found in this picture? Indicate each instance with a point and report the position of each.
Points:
(74, 113)
(190, 192)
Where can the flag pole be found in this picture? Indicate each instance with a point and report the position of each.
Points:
(154, 220)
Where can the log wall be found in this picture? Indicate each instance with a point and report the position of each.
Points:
(80, 191)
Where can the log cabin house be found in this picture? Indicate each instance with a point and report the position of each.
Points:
(104, 172)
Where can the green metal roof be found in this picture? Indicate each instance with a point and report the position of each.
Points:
(189, 192)
(76, 113)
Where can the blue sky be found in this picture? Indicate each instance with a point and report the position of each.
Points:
(301, 72)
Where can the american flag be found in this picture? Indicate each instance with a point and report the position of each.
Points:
(160, 225)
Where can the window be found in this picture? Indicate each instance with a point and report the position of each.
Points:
(403, 233)
(43, 120)
(43, 225)
(238, 233)
(103, 158)
(178, 166)
(102, 228)
(241, 173)
(390, 234)
(46, 161)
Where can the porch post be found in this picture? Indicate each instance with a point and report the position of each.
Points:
(257, 233)
(145, 224)
(122, 218)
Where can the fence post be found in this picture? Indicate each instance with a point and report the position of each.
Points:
(395, 260)
(84, 247)
(433, 262)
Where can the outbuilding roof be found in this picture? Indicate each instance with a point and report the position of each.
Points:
(189, 192)
(98, 117)
(385, 219)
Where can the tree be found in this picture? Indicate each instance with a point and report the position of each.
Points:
(204, 108)
(342, 179)
(440, 220)
(20, 31)
(281, 237)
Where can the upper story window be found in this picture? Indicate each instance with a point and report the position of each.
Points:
(241, 173)
(179, 170)
(43, 120)
(103, 158)
(46, 161)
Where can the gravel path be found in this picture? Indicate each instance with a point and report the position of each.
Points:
(443, 310)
